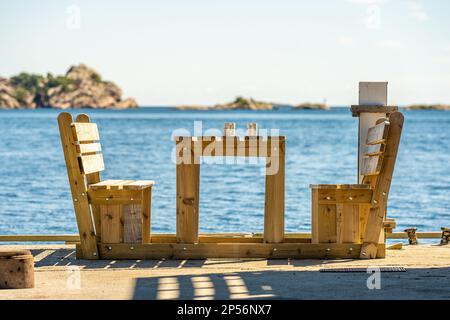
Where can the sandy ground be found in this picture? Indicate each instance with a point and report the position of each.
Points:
(59, 275)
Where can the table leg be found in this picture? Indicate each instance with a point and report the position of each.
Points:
(274, 199)
(188, 189)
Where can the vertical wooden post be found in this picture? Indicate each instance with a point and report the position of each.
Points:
(314, 215)
(274, 198)
(229, 129)
(252, 129)
(146, 208)
(188, 191)
(78, 188)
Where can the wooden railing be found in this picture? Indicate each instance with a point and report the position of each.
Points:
(74, 238)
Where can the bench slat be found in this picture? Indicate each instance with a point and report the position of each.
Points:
(378, 133)
(118, 185)
(138, 185)
(89, 147)
(122, 184)
(374, 149)
(371, 165)
(86, 131)
(92, 163)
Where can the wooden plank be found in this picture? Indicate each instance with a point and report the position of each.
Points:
(40, 237)
(351, 224)
(92, 179)
(371, 165)
(378, 211)
(340, 218)
(249, 146)
(213, 237)
(110, 185)
(146, 214)
(351, 196)
(364, 210)
(89, 147)
(112, 223)
(114, 194)
(78, 189)
(92, 163)
(365, 121)
(378, 133)
(358, 109)
(132, 223)
(102, 185)
(118, 185)
(188, 190)
(327, 229)
(340, 186)
(138, 185)
(274, 196)
(374, 149)
(85, 131)
(230, 250)
(226, 238)
(315, 215)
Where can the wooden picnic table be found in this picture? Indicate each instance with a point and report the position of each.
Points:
(188, 153)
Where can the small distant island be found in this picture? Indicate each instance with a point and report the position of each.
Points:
(428, 107)
(80, 87)
(241, 103)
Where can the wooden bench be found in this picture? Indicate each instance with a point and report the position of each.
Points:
(356, 213)
(109, 211)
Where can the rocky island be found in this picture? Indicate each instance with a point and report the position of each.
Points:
(80, 87)
(241, 103)
(428, 107)
(312, 106)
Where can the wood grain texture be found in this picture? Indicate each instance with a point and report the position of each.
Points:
(327, 230)
(187, 201)
(371, 165)
(274, 198)
(358, 109)
(231, 250)
(122, 185)
(112, 223)
(89, 147)
(16, 269)
(132, 223)
(374, 149)
(314, 215)
(378, 133)
(85, 131)
(146, 215)
(92, 163)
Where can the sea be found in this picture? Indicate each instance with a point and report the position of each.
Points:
(321, 147)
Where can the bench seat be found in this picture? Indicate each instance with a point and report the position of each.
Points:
(122, 185)
(340, 186)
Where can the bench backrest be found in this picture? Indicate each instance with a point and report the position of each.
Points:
(83, 162)
(380, 152)
(83, 137)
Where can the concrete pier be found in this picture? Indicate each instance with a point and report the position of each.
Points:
(58, 275)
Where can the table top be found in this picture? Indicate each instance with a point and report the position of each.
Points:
(221, 138)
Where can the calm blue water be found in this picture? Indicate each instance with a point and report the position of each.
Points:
(321, 148)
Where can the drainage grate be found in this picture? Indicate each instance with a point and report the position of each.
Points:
(382, 269)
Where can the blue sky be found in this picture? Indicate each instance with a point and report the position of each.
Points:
(205, 52)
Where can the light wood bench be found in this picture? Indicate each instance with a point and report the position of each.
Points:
(356, 213)
(108, 211)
